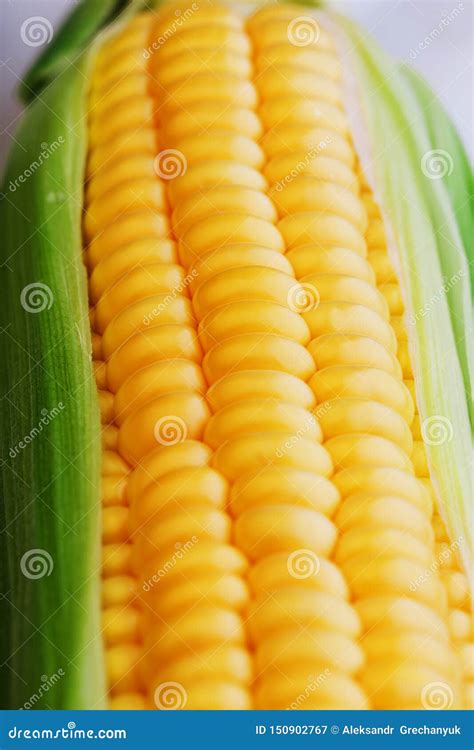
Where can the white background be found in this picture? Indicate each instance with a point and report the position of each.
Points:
(401, 26)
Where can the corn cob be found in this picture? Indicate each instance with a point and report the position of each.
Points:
(245, 240)
(270, 535)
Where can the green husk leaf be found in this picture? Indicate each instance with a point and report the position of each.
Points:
(452, 179)
(50, 437)
(425, 243)
(50, 517)
(74, 35)
(458, 175)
